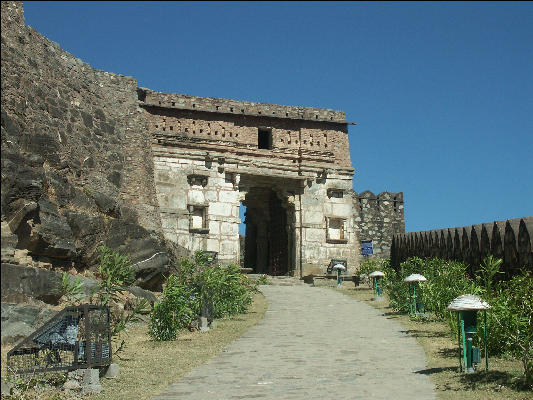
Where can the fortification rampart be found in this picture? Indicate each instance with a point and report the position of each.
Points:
(77, 168)
(509, 240)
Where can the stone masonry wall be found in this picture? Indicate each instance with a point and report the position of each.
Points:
(212, 121)
(378, 218)
(510, 240)
(82, 120)
(77, 167)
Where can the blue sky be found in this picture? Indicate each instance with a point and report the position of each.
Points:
(442, 94)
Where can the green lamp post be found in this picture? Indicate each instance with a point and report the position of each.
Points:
(467, 307)
(377, 278)
(340, 277)
(413, 280)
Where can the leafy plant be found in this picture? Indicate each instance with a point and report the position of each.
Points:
(510, 319)
(369, 265)
(177, 309)
(199, 287)
(117, 274)
(263, 280)
(71, 290)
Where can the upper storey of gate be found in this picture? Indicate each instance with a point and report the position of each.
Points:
(313, 136)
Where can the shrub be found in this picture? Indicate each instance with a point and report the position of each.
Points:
(369, 265)
(116, 274)
(510, 319)
(198, 286)
(177, 309)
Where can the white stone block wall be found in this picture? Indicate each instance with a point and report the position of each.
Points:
(175, 194)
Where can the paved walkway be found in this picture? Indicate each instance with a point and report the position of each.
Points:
(313, 343)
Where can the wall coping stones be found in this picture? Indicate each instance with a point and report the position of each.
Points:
(151, 98)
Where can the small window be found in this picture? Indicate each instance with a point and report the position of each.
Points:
(336, 193)
(198, 219)
(336, 230)
(264, 139)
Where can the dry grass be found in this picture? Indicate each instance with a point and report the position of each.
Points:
(502, 381)
(148, 367)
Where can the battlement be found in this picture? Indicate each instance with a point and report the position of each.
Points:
(152, 98)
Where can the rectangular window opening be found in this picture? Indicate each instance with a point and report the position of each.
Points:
(198, 222)
(264, 139)
(336, 230)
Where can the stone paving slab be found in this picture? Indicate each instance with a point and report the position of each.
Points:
(313, 343)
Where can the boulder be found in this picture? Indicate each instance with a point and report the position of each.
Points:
(19, 283)
(46, 232)
(21, 320)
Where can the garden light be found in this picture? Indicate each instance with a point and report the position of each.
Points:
(377, 277)
(337, 268)
(467, 307)
(412, 280)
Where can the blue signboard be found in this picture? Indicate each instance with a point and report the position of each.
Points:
(366, 248)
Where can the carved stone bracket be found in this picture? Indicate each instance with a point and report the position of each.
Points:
(197, 180)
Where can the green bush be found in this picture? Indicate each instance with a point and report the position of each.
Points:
(177, 309)
(115, 268)
(369, 265)
(198, 286)
(510, 319)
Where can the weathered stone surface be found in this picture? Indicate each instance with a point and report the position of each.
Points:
(76, 163)
(7, 388)
(112, 371)
(203, 324)
(91, 381)
(378, 218)
(47, 233)
(72, 384)
(19, 321)
(20, 282)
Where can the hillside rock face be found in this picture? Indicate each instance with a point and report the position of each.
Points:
(77, 169)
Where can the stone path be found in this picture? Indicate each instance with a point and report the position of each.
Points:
(313, 343)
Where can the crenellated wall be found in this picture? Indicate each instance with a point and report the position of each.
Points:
(510, 240)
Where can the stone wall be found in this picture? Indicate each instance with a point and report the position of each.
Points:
(510, 240)
(77, 167)
(377, 218)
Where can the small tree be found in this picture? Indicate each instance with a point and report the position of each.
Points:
(116, 274)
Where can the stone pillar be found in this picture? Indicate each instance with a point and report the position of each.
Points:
(262, 249)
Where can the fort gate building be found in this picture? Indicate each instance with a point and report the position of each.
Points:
(290, 167)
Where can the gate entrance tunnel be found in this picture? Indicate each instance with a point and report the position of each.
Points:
(269, 245)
